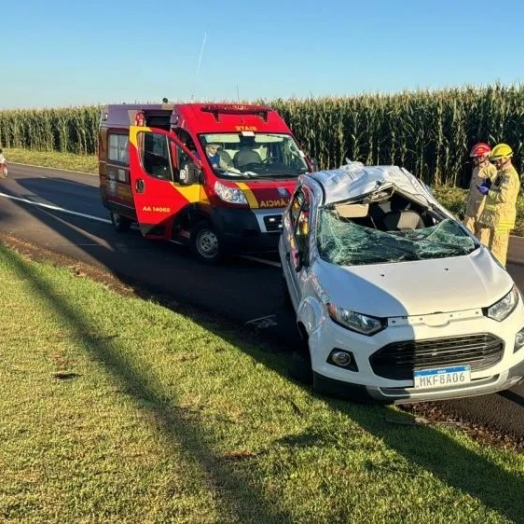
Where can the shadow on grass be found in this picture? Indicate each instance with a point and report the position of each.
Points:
(457, 467)
(182, 429)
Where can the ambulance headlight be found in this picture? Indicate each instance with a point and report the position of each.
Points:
(232, 195)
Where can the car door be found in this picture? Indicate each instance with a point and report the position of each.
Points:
(156, 187)
(296, 244)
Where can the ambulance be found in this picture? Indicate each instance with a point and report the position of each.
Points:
(214, 177)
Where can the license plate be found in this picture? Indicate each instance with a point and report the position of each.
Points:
(442, 377)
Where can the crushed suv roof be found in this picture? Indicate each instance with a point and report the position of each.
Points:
(354, 180)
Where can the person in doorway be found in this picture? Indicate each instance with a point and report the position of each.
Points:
(500, 209)
(483, 172)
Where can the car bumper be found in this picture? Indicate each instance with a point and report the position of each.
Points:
(364, 382)
(338, 388)
(248, 230)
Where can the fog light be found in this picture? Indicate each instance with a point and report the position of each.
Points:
(343, 359)
(519, 340)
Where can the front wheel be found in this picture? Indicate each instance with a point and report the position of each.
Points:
(119, 222)
(206, 244)
(300, 367)
(284, 294)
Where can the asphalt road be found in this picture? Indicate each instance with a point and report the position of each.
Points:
(62, 212)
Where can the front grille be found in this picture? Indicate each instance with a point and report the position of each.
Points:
(273, 223)
(398, 360)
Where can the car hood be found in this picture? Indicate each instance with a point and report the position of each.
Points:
(416, 288)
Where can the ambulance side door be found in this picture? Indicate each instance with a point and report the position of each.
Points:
(159, 184)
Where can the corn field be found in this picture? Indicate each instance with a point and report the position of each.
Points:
(429, 133)
(68, 130)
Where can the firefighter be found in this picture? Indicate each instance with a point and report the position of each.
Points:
(483, 171)
(500, 209)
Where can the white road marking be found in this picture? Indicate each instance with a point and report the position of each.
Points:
(55, 208)
(262, 260)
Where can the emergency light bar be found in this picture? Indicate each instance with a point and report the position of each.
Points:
(218, 109)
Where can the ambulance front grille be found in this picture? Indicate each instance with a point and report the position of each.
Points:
(273, 223)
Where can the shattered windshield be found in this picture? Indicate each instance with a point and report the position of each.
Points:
(345, 243)
(254, 155)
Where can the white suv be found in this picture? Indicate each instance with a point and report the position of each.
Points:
(394, 298)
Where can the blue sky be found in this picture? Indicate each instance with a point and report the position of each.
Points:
(58, 53)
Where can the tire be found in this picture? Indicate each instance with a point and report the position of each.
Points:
(300, 367)
(206, 244)
(119, 222)
(285, 296)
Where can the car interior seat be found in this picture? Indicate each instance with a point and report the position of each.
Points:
(402, 220)
(247, 156)
(226, 157)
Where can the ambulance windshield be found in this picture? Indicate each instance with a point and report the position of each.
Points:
(254, 155)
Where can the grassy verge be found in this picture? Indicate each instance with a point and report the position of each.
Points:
(115, 409)
(453, 198)
(67, 161)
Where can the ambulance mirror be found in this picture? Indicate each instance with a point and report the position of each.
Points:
(189, 174)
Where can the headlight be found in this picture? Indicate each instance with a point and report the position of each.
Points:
(503, 308)
(354, 321)
(519, 341)
(232, 195)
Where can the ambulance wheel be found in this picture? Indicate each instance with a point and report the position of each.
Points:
(119, 222)
(205, 243)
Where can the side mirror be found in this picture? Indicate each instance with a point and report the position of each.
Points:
(189, 174)
(314, 163)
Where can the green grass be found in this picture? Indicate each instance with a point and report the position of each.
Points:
(67, 161)
(115, 409)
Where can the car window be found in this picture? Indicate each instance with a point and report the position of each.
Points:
(257, 155)
(299, 214)
(296, 206)
(155, 155)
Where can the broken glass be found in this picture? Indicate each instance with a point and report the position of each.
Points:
(345, 243)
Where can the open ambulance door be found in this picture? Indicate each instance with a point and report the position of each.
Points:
(163, 179)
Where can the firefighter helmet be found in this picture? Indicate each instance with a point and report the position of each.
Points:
(501, 151)
(479, 150)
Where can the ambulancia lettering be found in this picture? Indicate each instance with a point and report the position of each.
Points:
(279, 202)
